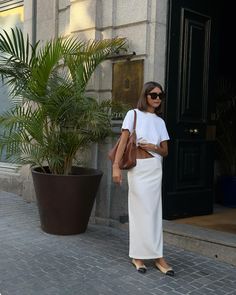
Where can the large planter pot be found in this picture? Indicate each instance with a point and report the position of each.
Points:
(228, 190)
(65, 202)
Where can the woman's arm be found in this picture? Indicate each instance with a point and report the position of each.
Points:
(161, 150)
(116, 172)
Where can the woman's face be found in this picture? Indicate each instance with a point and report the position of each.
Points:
(153, 99)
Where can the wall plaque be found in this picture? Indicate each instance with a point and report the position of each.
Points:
(127, 81)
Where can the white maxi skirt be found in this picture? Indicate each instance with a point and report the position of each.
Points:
(145, 209)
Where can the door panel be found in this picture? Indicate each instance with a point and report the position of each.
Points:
(194, 60)
(190, 165)
(188, 170)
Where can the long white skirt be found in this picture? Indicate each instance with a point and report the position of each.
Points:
(145, 209)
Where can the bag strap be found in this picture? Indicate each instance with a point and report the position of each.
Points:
(135, 119)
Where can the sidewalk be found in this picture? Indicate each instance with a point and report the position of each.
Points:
(93, 263)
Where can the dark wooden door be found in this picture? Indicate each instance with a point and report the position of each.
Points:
(188, 170)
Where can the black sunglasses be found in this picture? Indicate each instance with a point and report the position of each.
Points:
(155, 95)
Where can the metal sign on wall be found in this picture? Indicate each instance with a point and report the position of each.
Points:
(127, 81)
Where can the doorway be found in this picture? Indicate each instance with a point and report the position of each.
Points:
(200, 54)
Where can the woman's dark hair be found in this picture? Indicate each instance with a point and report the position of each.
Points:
(142, 104)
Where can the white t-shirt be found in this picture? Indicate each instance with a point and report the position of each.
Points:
(149, 128)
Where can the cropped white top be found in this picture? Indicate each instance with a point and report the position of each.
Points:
(149, 128)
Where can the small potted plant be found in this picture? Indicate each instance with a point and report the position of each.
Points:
(226, 147)
(54, 121)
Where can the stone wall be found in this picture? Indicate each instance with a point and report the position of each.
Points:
(143, 23)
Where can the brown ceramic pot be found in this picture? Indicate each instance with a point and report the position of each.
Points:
(65, 202)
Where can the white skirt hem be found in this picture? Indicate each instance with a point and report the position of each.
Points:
(145, 257)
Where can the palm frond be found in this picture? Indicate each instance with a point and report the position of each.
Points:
(55, 118)
(16, 58)
(83, 64)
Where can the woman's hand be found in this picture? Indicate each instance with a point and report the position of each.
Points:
(147, 146)
(116, 174)
(161, 150)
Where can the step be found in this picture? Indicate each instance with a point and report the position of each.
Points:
(208, 242)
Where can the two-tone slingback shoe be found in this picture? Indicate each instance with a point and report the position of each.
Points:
(167, 271)
(140, 268)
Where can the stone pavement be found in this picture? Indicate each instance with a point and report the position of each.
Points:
(93, 263)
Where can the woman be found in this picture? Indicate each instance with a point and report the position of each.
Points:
(145, 179)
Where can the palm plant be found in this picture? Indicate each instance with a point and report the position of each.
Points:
(54, 118)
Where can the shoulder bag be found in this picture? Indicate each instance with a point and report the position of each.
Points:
(129, 157)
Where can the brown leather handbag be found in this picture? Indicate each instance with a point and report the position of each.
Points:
(129, 157)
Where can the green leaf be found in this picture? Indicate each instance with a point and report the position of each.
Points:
(54, 119)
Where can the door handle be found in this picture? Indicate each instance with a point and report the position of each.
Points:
(193, 131)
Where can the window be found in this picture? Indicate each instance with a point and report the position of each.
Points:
(11, 15)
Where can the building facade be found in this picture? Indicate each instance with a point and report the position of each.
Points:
(142, 22)
(175, 42)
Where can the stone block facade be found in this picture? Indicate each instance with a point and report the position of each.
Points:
(144, 24)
